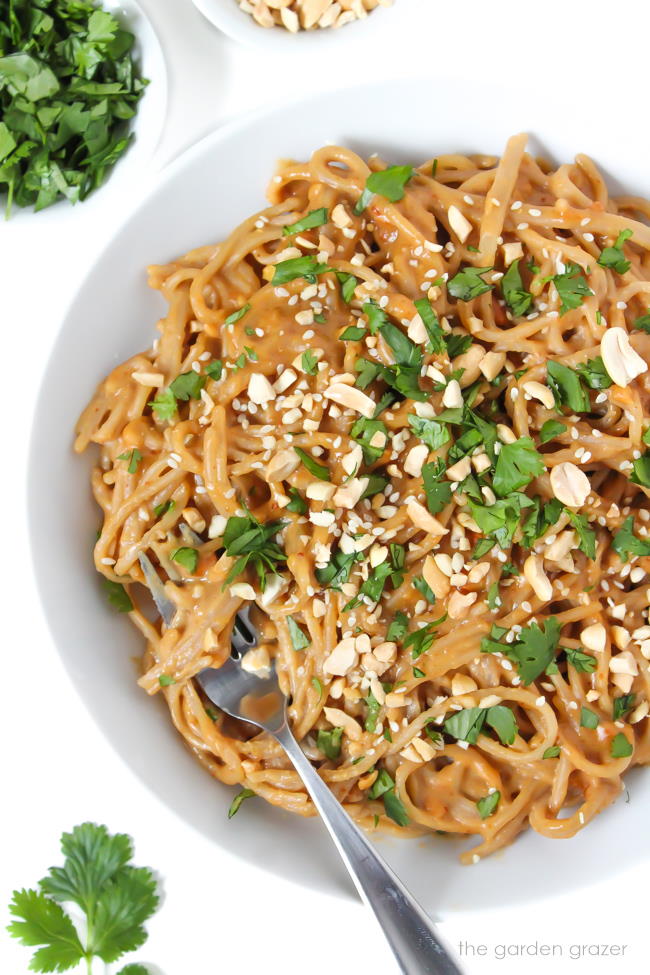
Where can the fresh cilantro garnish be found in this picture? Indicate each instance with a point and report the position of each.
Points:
(252, 543)
(164, 405)
(422, 639)
(550, 430)
(438, 491)
(423, 587)
(535, 649)
(373, 707)
(365, 430)
(518, 300)
(165, 680)
(214, 369)
(187, 386)
(622, 705)
(353, 333)
(309, 362)
(594, 373)
(376, 316)
(162, 509)
(115, 897)
(552, 752)
(376, 484)
(384, 788)
(187, 557)
(236, 315)
(338, 569)
(567, 387)
(432, 326)
(299, 639)
(517, 464)
(329, 742)
(297, 504)
(620, 746)
(501, 519)
(68, 85)
(493, 597)
(540, 519)
(487, 806)
(580, 661)
(469, 283)
(398, 627)
(457, 344)
(467, 725)
(626, 543)
(430, 432)
(404, 374)
(640, 470)
(348, 283)
(491, 644)
(134, 457)
(315, 218)
(307, 267)
(613, 257)
(237, 801)
(643, 322)
(418, 673)
(117, 596)
(586, 535)
(317, 470)
(571, 287)
(392, 568)
(316, 684)
(389, 183)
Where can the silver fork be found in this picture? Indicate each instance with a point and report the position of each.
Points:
(410, 933)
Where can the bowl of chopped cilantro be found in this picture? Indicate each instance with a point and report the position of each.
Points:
(75, 82)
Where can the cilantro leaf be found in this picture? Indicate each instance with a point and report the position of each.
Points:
(620, 747)
(251, 542)
(373, 707)
(187, 557)
(466, 725)
(424, 588)
(566, 387)
(571, 287)
(299, 639)
(641, 470)
(348, 283)
(315, 218)
(309, 362)
(487, 806)
(586, 535)
(134, 969)
(237, 801)
(643, 322)
(517, 464)
(41, 921)
(237, 315)
(352, 334)
(381, 785)
(613, 257)
(164, 405)
(622, 705)
(117, 596)
(518, 300)
(317, 470)
(398, 627)
(214, 369)
(188, 385)
(580, 661)
(432, 325)
(338, 570)
(552, 752)
(626, 543)
(307, 267)
(134, 457)
(469, 283)
(430, 432)
(390, 183)
(395, 809)
(535, 649)
(551, 429)
(329, 742)
(594, 373)
(297, 504)
(364, 431)
(502, 720)
(438, 492)
(376, 316)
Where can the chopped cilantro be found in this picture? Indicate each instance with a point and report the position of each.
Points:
(613, 257)
(550, 430)
(566, 387)
(188, 385)
(252, 543)
(430, 432)
(620, 747)
(315, 218)
(297, 504)
(626, 543)
(518, 300)
(487, 806)
(236, 315)
(571, 287)
(317, 470)
(134, 457)
(187, 557)
(117, 596)
(237, 801)
(517, 464)
(438, 492)
(299, 639)
(469, 283)
(329, 742)
(622, 705)
(309, 362)
(307, 267)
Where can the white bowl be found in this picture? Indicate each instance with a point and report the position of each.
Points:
(228, 16)
(146, 125)
(113, 316)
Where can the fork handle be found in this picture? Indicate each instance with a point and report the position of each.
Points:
(409, 931)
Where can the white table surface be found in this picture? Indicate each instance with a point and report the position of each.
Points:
(220, 915)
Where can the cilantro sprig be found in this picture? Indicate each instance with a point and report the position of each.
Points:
(252, 543)
(115, 897)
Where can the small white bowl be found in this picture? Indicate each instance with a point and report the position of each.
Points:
(228, 16)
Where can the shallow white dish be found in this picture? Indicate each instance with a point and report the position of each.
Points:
(146, 125)
(233, 21)
(113, 315)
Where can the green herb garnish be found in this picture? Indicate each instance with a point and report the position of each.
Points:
(329, 742)
(317, 470)
(315, 218)
(252, 543)
(518, 300)
(469, 283)
(487, 806)
(117, 596)
(187, 557)
(299, 639)
(613, 257)
(237, 801)
(307, 267)
(620, 746)
(134, 457)
(236, 315)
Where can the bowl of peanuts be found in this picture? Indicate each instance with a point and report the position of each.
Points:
(293, 24)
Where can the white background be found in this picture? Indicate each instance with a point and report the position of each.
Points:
(218, 914)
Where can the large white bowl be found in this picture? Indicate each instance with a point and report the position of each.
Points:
(199, 199)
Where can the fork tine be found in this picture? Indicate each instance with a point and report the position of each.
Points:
(164, 605)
